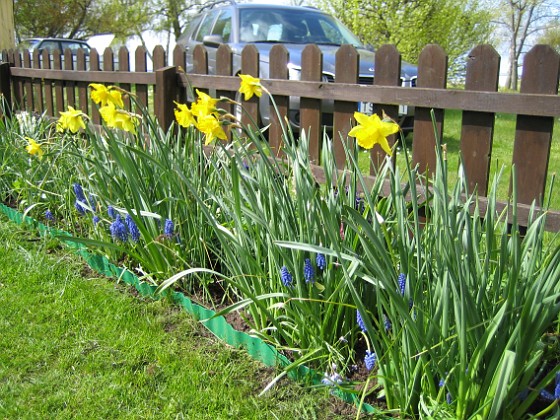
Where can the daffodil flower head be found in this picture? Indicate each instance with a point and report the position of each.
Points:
(183, 115)
(250, 86)
(117, 118)
(34, 148)
(372, 130)
(204, 106)
(71, 120)
(211, 127)
(103, 95)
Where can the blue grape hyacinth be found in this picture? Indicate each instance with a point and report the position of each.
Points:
(111, 212)
(118, 230)
(370, 360)
(402, 283)
(321, 261)
(308, 271)
(79, 191)
(96, 219)
(286, 277)
(132, 228)
(360, 321)
(168, 228)
(49, 216)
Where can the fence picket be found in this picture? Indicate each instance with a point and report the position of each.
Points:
(124, 65)
(483, 68)
(279, 58)
(533, 135)
(250, 65)
(141, 66)
(310, 108)
(94, 65)
(82, 87)
(48, 86)
(432, 73)
(346, 70)
(387, 73)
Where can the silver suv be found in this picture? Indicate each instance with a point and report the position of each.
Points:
(265, 25)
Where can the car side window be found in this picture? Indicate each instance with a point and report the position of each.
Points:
(74, 47)
(223, 25)
(50, 46)
(206, 26)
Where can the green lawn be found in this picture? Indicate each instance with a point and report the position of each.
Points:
(74, 345)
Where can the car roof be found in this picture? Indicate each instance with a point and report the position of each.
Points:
(228, 4)
(55, 39)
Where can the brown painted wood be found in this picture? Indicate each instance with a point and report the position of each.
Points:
(250, 108)
(48, 86)
(124, 65)
(533, 135)
(310, 108)
(387, 73)
(279, 59)
(70, 85)
(58, 85)
(200, 66)
(108, 60)
(27, 85)
(141, 66)
(432, 73)
(82, 87)
(38, 104)
(94, 66)
(224, 67)
(180, 61)
(18, 83)
(5, 88)
(87, 76)
(165, 96)
(347, 65)
(159, 57)
(483, 68)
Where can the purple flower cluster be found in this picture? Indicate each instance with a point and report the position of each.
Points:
(132, 228)
(118, 229)
(321, 262)
(308, 271)
(286, 277)
(402, 283)
(360, 321)
(370, 359)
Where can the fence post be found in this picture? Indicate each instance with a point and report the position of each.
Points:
(5, 89)
(166, 91)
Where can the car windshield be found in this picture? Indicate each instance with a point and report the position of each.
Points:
(287, 26)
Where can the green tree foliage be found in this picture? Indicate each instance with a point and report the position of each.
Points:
(551, 35)
(84, 18)
(51, 18)
(410, 24)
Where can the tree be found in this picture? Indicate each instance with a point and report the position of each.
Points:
(551, 35)
(408, 24)
(521, 21)
(7, 30)
(51, 18)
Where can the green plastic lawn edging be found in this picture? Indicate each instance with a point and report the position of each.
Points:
(217, 325)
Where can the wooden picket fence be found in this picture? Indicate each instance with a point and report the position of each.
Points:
(48, 84)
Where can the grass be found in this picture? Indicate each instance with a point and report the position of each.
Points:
(74, 345)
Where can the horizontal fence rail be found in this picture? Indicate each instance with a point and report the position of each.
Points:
(48, 83)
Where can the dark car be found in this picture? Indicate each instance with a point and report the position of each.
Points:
(265, 25)
(51, 44)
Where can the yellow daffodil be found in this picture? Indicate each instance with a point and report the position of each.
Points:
(183, 115)
(117, 118)
(211, 127)
(250, 86)
(371, 130)
(71, 120)
(103, 95)
(205, 105)
(33, 148)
